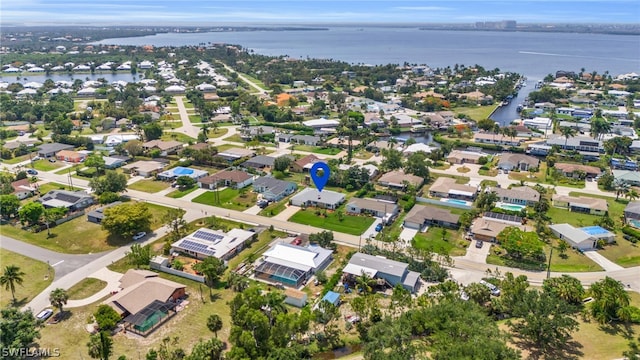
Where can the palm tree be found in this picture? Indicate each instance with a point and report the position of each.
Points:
(365, 283)
(58, 298)
(496, 130)
(12, 276)
(631, 194)
(214, 323)
(237, 282)
(100, 346)
(567, 132)
(621, 187)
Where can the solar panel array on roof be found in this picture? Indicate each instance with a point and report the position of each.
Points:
(67, 198)
(207, 236)
(505, 217)
(196, 247)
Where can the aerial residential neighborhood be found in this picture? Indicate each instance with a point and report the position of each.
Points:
(178, 211)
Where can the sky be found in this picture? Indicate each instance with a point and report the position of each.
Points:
(212, 12)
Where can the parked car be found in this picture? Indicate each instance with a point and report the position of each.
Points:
(32, 172)
(44, 314)
(52, 160)
(479, 244)
(492, 288)
(379, 227)
(263, 203)
(139, 235)
(36, 158)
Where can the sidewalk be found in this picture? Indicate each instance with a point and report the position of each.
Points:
(194, 194)
(287, 213)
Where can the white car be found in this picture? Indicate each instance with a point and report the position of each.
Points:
(139, 235)
(44, 314)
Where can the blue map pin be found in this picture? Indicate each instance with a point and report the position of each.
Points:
(320, 181)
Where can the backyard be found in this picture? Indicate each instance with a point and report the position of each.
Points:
(38, 276)
(354, 225)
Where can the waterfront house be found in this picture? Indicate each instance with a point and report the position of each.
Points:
(577, 170)
(497, 139)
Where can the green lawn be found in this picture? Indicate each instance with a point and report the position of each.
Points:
(224, 147)
(354, 225)
(218, 132)
(16, 160)
(172, 135)
(45, 165)
(476, 112)
(275, 208)
(228, 198)
(459, 179)
(195, 119)
(432, 240)
(78, 236)
(180, 193)
(573, 262)
(317, 149)
(149, 186)
(234, 138)
(38, 275)
(559, 216)
(85, 288)
(45, 188)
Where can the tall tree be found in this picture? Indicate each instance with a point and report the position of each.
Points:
(392, 159)
(111, 181)
(212, 268)
(95, 161)
(9, 206)
(58, 298)
(174, 218)
(139, 255)
(566, 288)
(416, 164)
(19, 330)
(127, 219)
(214, 323)
(11, 276)
(100, 346)
(152, 131)
(31, 212)
(567, 132)
(609, 298)
(51, 215)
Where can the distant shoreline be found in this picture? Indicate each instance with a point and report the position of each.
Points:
(540, 30)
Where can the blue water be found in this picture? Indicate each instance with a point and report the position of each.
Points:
(454, 201)
(594, 230)
(635, 223)
(511, 207)
(533, 54)
(283, 279)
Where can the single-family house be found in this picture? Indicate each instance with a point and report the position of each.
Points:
(305, 140)
(145, 300)
(114, 162)
(520, 195)
(232, 178)
(521, 162)
(464, 157)
(273, 189)
(304, 163)
(632, 212)
(497, 139)
(627, 176)
(377, 208)
(487, 229)
(72, 200)
(204, 243)
(144, 168)
(49, 150)
(165, 147)
(396, 179)
(577, 170)
(578, 143)
(96, 216)
(581, 204)
(421, 216)
(70, 156)
(260, 162)
(417, 147)
(233, 154)
(23, 189)
(292, 265)
(310, 197)
(445, 187)
(391, 272)
(179, 171)
(585, 238)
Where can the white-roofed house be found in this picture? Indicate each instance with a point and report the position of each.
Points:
(292, 265)
(390, 272)
(326, 199)
(204, 243)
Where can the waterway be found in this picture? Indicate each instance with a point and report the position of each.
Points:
(532, 54)
(504, 115)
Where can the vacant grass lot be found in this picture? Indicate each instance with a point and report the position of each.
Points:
(218, 133)
(85, 288)
(149, 186)
(45, 165)
(172, 135)
(79, 236)
(432, 240)
(235, 138)
(45, 188)
(354, 225)
(318, 149)
(574, 261)
(476, 112)
(195, 119)
(38, 276)
(228, 198)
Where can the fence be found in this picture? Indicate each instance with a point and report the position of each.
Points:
(70, 217)
(183, 274)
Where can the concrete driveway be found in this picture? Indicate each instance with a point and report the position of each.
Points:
(605, 263)
(478, 255)
(287, 213)
(254, 210)
(371, 231)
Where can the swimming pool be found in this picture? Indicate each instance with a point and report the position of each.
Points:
(635, 223)
(456, 201)
(510, 207)
(595, 230)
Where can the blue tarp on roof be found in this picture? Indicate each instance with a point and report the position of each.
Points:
(332, 297)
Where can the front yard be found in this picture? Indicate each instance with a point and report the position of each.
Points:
(228, 198)
(354, 225)
(149, 186)
(45, 165)
(434, 240)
